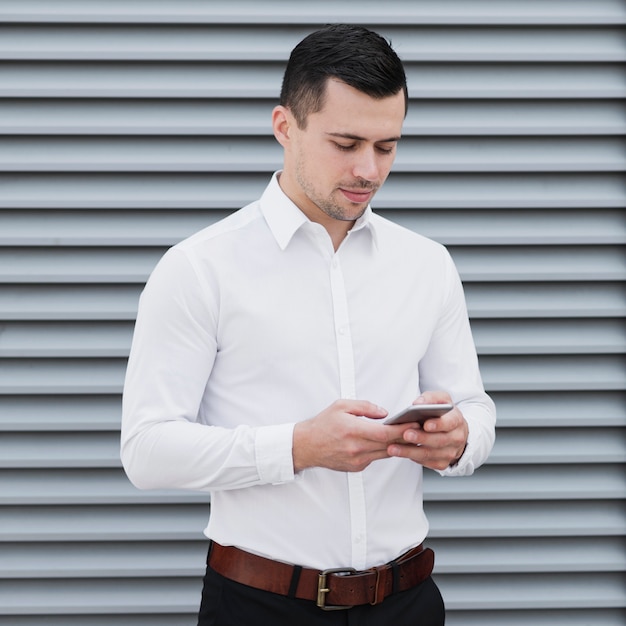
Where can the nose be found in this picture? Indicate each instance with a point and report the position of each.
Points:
(366, 165)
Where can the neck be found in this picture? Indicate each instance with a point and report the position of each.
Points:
(337, 229)
(338, 232)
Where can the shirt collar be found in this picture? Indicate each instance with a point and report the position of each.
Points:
(284, 218)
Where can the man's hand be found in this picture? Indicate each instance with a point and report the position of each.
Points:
(440, 442)
(338, 439)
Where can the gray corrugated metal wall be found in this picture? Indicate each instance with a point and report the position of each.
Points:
(125, 126)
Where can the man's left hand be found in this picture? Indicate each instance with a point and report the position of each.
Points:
(440, 442)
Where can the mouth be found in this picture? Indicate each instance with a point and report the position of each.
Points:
(358, 196)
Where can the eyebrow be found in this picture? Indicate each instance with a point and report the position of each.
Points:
(357, 138)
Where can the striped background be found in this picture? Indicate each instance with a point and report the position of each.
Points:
(127, 125)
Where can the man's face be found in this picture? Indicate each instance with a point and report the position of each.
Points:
(335, 165)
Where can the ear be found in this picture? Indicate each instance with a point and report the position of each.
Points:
(282, 121)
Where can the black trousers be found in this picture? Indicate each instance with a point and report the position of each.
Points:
(227, 603)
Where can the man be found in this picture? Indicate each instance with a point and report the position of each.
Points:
(269, 346)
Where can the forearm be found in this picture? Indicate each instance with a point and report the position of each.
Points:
(178, 454)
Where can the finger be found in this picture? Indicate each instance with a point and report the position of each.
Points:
(433, 397)
(390, 433)
(364, 408)
(427, 440)
(443, 424)
(417, 453)
(432, 458)
(446, 423)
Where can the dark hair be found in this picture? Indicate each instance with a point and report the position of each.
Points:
(355, 55)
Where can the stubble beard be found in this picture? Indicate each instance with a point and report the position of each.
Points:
(327, 205)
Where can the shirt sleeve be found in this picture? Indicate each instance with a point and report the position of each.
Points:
(163, 445)
(451, 364)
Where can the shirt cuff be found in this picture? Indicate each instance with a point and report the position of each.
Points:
(273, 449)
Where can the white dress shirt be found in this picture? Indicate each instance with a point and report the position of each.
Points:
(256, 323)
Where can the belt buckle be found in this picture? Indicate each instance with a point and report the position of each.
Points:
(322, 588)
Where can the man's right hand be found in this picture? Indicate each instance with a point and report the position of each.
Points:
(339, 439)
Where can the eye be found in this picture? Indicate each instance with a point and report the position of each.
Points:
(385, 150)
(344, 147)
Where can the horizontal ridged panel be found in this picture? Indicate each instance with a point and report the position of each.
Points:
(520, 518)
(148, 619)
(233, 118)
(66, 486)
(107, 79)
(553, 408)
(497, 482)
(546, 300)
(59, 413)
(93, 596)
(228, 190)
(66, 340)
(86, 523)
(494, 300)
(542, 409)
(133, 265)
(127, 125)
(528, 591)
(506, 373)
(38, 301)
(138, 522)
(542, 446)
(532, 591)
(249, 12)
(578, 617)
(253, 154)
(223, 43)
(454, 228)
(96, 339)
(152, 522)
(547, 617)
(106, 559)
(494, 482)
(485, 556)
(545, 555)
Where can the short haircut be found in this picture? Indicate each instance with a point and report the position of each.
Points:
(354, 55)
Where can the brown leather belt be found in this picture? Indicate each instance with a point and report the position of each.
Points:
(331, 589)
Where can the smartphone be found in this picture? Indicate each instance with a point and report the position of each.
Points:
(418, 413)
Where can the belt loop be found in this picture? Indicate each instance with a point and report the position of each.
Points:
(395, 576)
(376, 600)
(295, 579)
(208, 554)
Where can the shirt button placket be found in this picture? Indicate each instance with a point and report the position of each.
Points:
(345, 355)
